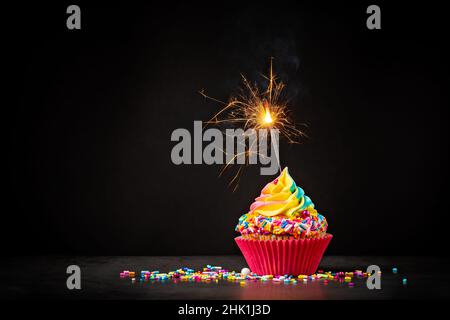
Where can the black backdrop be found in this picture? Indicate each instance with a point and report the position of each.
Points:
(88, 126)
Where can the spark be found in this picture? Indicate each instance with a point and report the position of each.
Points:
(257, 108)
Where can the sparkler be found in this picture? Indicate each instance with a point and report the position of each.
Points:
(256, 108)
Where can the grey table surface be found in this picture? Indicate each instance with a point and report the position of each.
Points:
(44, 277)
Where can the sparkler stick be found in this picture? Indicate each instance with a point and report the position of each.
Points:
(275, 148)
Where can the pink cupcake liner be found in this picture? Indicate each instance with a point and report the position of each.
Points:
(282, 257)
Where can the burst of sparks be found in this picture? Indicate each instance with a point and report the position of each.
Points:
(256, 108)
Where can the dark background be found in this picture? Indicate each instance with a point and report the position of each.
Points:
(88, 125)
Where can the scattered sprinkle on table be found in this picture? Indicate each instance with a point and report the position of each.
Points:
(215, 273)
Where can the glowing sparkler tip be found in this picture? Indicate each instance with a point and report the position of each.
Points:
(268, 117)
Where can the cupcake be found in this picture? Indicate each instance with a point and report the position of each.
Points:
(283, 234)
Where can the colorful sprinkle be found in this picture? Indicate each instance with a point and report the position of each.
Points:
(245, 271)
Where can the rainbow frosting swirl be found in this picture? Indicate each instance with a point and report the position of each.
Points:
(282, 209)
